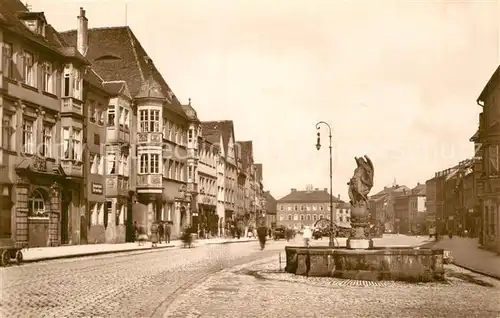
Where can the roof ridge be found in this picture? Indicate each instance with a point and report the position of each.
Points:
(131, 37)
(99, 28)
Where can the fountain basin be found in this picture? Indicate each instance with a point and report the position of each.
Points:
(373, 264)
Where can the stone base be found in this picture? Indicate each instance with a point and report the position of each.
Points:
(362, 244)
(398, 263)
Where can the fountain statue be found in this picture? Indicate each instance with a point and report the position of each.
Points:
(359, 187)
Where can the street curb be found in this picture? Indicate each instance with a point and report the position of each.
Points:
(43, 259)
(477, 271)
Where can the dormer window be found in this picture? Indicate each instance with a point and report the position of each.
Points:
(34, 21)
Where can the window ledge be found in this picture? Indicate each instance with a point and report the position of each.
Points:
(11, 80)
(41, 218)
(27, 86)
(48, 94)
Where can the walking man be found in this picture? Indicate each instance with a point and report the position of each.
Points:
(168, 230)
(161, 232)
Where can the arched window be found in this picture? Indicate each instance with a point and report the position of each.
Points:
(36, 205)
(308, 217)
(315, 217)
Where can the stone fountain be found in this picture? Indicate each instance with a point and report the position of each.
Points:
(360, 259)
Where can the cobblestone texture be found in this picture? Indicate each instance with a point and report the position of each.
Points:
(130, 284)
(261, 290)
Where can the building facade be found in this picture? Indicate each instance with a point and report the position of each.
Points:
(270, 210)
(382, 206)
(489, 138)
(410, 211)
(301, 208)
(41, 109)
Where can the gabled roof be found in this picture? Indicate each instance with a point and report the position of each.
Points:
(116, 54)
(190, 112)
(270, 202)
(314, 196)
(11, 12)
(418, 190)
(388, 190)
(214, 130)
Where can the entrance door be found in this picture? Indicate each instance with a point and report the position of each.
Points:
(66, 201)
(129, 234)
(83, 229)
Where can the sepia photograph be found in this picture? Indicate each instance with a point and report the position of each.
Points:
(250, 158)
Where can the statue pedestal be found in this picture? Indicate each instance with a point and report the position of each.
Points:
(360, 224)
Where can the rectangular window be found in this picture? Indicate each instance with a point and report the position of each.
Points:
(165, 128)
(7, 62)
(177, 134)
(66, 81)
(111, 115)
(493, 160)
(8, 132)
(47, 141)
(125, 165)
(120, 165)
(77, 84)
(143, 164)
(154, 163)
(154, 125)
(127, 118)
(94, 163)
(169, 132)
(165, 168)
(65, 137)
(28, 66)
(190, 174)
(28, 142)
(122, 117)
(143, 120)
(112, 164)
(47, 83)
(77, 144)
(190, 135)
(170, 174)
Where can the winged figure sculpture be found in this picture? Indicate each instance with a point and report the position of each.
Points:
(361, 182)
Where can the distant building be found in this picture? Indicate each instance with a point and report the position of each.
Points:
(410, 211)
(300, 208)
(382, 206)
(270, 209)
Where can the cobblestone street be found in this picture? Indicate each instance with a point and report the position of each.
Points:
(134, 284)
(261, 290)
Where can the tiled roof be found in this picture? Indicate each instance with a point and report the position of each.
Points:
(190, 112)
(270, 202)
(214, 130)
(10, 13)
(495, 78)
(116, 54)
(315, 196)
(389, 190)
(419, 189)
(150, 89)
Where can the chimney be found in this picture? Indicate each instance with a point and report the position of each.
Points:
(293, 190)
(338, 196)
(82, 33)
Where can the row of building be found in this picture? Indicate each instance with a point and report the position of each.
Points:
(467, 195)
(95, 141)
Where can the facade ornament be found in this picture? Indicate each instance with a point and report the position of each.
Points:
(39, 163)
(55, 188)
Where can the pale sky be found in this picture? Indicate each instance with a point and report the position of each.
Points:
(397, 80)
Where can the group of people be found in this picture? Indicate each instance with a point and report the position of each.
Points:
(160, 231)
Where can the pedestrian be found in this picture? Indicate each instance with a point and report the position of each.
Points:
(307, 234)
(168, 231)
(154, 234)
(161, 232)
(262, 233)
(136, 231)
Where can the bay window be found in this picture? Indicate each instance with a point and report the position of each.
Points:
(77, 85)
(493, 160)
(121, 118)
(47, 141)
(7, 62)
(47, 83)
(154, 122)
(65, 137)
(190, 135)
(149, 120)
(125, 165)
(28, 69)
(143, 120)
(72, 82)
(127, 118)
(28, 142)
(111, 115)
(190, 174)
(154, 163)
(77, 144)
(111, 163)
(66, 81)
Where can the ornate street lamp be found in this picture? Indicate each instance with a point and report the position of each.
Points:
(318, 146)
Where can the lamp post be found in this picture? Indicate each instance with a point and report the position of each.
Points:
(318, 146)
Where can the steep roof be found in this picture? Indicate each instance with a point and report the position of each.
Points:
(419, 189)
(270, 202)
(190, 112)
(389, 190)
(315, 196)
(214, 130)
(11, 13)
(116, 54)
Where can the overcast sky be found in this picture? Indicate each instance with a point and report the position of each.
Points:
(397, 80)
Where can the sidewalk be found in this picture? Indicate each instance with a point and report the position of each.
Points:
(38, 254)
(466, 253)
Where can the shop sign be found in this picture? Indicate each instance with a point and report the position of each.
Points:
(96, 188)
